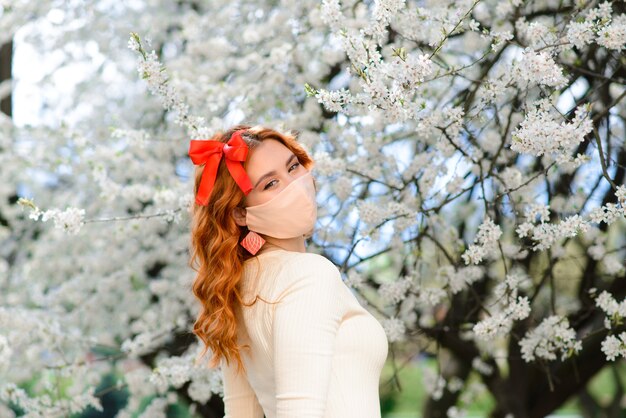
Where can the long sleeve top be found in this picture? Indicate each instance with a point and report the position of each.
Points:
(315, 353)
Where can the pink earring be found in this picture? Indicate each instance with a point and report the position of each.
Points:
(252, 242)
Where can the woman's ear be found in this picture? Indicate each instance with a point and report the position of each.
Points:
(240, 216)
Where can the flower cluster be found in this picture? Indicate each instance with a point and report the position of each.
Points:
(5, 352)
(608, 213)
(580, 33)
(381, 14)
(155, 74)
(507, 291)
(481, 366)
(548, 234)
(552, 336)
(327, 165)
(178, 370)
(331, 13)
(507, 307)
(334, 101)
(541, 132)
(500, 323)
(410, 71)
(374, 214)
(615, 311)
(434, 383)
(538, 68)
(396, 290)
(394, 328)
(458, 280)
(418, 144)
(45, 406)
(69, 220)
(487, 239)
(613, 36)
(614, 346)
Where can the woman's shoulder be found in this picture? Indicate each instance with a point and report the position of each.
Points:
(282, 269)
(301, 267)
(293, 258)
(311, 258)
(305, 262)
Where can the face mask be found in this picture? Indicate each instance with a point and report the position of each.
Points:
(291, 213)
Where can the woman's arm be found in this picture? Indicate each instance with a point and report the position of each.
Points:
(306, 321)
(240, 401)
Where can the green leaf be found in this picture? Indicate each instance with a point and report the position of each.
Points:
(310, 91)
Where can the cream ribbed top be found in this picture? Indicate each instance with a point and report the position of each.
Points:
(317, 353)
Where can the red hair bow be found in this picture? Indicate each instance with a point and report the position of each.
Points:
(210, 153)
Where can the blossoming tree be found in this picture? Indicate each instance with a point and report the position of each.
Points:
(472, 162)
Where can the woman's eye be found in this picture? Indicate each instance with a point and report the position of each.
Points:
(271, 182)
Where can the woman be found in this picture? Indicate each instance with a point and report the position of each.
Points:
(308, 348)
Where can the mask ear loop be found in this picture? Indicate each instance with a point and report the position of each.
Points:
(307, 236)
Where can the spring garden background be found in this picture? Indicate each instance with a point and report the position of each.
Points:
(472, 162)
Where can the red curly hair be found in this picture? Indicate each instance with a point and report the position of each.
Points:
(216, 255)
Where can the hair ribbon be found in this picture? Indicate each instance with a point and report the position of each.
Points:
(210, 153)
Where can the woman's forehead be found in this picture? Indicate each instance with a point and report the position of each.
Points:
(270, 154)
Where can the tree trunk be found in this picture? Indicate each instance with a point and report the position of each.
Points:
(6, 61)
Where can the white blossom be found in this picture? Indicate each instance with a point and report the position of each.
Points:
(412, 146)
(538, 68)
(458, 280)
(5, 352)
(547, 234)
(512, 178)
(155, 74)
(613, 36)
(133, 44)
(434, 383)
(455, 384)
(155, 409)
(481, 366)
(370, 212)
(580, 33)
(613, 265)
(70, 219)
(382, 12)
(542, 133)
(537, 210)
(326, 165)
(354, 279)
(395, 291)
(613, 309)
(412, 70)
(552, 336)
(614, 346)
(334, 101)
(455, 412)
(331, 13)
(620, 193)
(487, 238)
(500, 323)
(394, 328)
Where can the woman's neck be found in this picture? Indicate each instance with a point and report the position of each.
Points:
(295, 244)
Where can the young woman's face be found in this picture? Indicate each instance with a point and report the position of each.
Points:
(271, 167)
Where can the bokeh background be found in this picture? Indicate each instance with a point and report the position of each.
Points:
(472, 166)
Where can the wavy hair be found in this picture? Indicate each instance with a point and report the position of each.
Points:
(216, 255)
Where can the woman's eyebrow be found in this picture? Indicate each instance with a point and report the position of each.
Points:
(273, 172)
